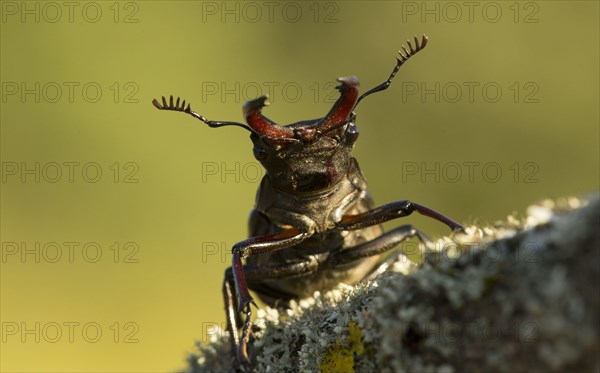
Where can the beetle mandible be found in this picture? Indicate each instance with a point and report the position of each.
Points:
(314, 225)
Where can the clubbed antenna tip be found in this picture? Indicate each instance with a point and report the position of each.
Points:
(176, 106)
(172, 106)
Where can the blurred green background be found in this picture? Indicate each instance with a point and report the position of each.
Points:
(121, 270)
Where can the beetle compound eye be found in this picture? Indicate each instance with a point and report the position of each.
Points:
(259, 152)
(352, 132)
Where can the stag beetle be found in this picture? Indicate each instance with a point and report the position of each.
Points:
(314, 225)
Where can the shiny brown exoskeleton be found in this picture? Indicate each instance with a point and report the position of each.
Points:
(314, 224)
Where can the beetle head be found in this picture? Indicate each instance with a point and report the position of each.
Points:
(310, 155)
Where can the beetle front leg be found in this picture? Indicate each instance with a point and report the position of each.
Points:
(256, 274)
(231, 315)
(241, 250)
(391, 211)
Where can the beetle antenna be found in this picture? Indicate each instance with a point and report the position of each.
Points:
(400, 60)
(188, 110)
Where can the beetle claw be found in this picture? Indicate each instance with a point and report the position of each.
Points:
(244, 305)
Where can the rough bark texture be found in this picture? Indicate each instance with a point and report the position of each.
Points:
(520, 296)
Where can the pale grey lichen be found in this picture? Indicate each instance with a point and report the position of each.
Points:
(521, 295)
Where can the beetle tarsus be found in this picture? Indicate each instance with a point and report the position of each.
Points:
(242, 352)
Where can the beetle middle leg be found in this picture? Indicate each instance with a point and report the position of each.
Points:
(389, 239)
(376, 246)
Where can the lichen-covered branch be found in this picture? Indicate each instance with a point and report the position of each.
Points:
(520, 296)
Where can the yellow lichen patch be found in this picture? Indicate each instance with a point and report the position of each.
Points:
(339, 357)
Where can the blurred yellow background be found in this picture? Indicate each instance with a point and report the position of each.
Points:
(117, 219)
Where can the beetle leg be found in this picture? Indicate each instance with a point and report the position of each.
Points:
(243, 249)
(231, 315)
(255, 273)
(377, 246)
(258, 245)
(391, 211)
